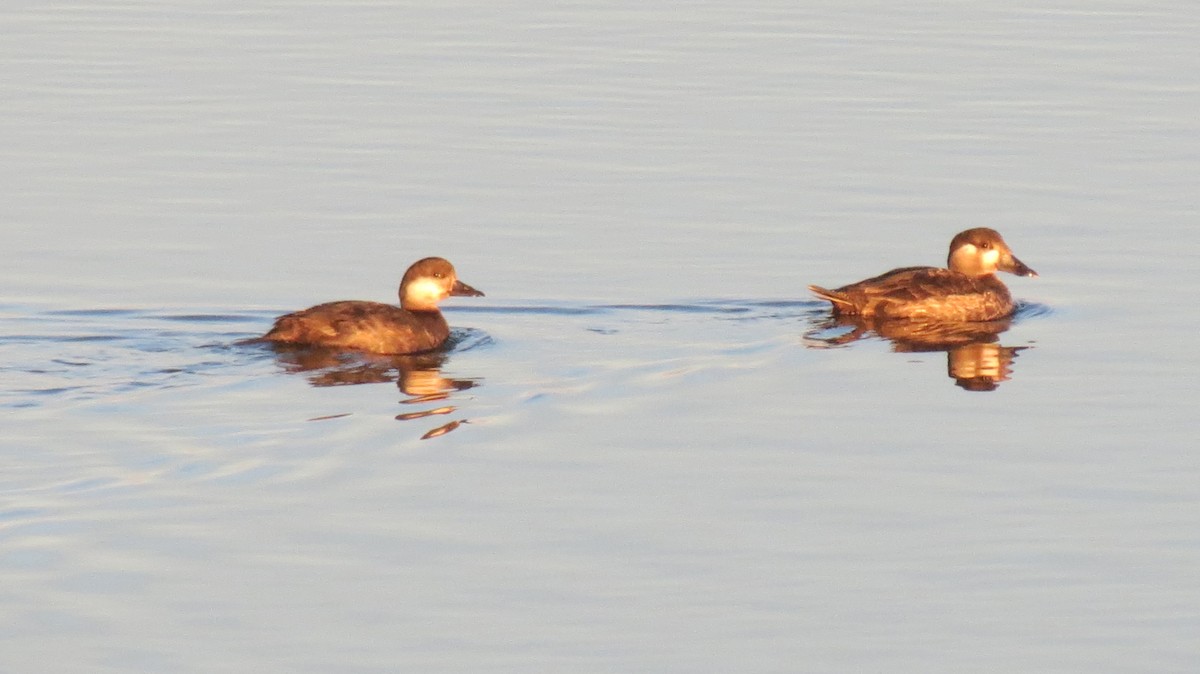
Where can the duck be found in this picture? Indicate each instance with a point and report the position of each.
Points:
(967, 291)
(415, 326)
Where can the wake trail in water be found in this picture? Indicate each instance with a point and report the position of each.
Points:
(79, 354)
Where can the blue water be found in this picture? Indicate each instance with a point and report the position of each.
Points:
(646, 448)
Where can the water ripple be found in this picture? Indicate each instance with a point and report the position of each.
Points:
(86, 353)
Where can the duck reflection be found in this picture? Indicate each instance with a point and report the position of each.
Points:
(975, 359)
(419, 377)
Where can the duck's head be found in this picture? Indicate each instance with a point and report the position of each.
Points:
(430, 281)
(981, 251)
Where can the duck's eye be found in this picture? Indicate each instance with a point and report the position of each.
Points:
(438, 274)
(985, 245)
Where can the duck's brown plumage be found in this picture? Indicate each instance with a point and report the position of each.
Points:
(365, 326)
(967, 291)
(413, 327)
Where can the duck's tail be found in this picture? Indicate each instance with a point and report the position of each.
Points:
(842, 304)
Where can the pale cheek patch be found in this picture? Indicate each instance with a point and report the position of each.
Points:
(424, 292)
(964, 256)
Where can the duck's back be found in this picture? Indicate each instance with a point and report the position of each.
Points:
(923, 292)
(366, 326)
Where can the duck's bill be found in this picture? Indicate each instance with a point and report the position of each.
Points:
(463, 290)
(1015, 266)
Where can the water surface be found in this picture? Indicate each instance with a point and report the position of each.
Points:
(635, 456)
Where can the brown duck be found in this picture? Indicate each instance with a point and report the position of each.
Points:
(414, 326)
(967, 291)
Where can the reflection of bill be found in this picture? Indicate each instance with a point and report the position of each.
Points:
(418, 376)
(974, 358)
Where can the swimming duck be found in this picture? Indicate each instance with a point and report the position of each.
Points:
(967, 291)
(415, 326)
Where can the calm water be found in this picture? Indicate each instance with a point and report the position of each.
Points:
(647, 450)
